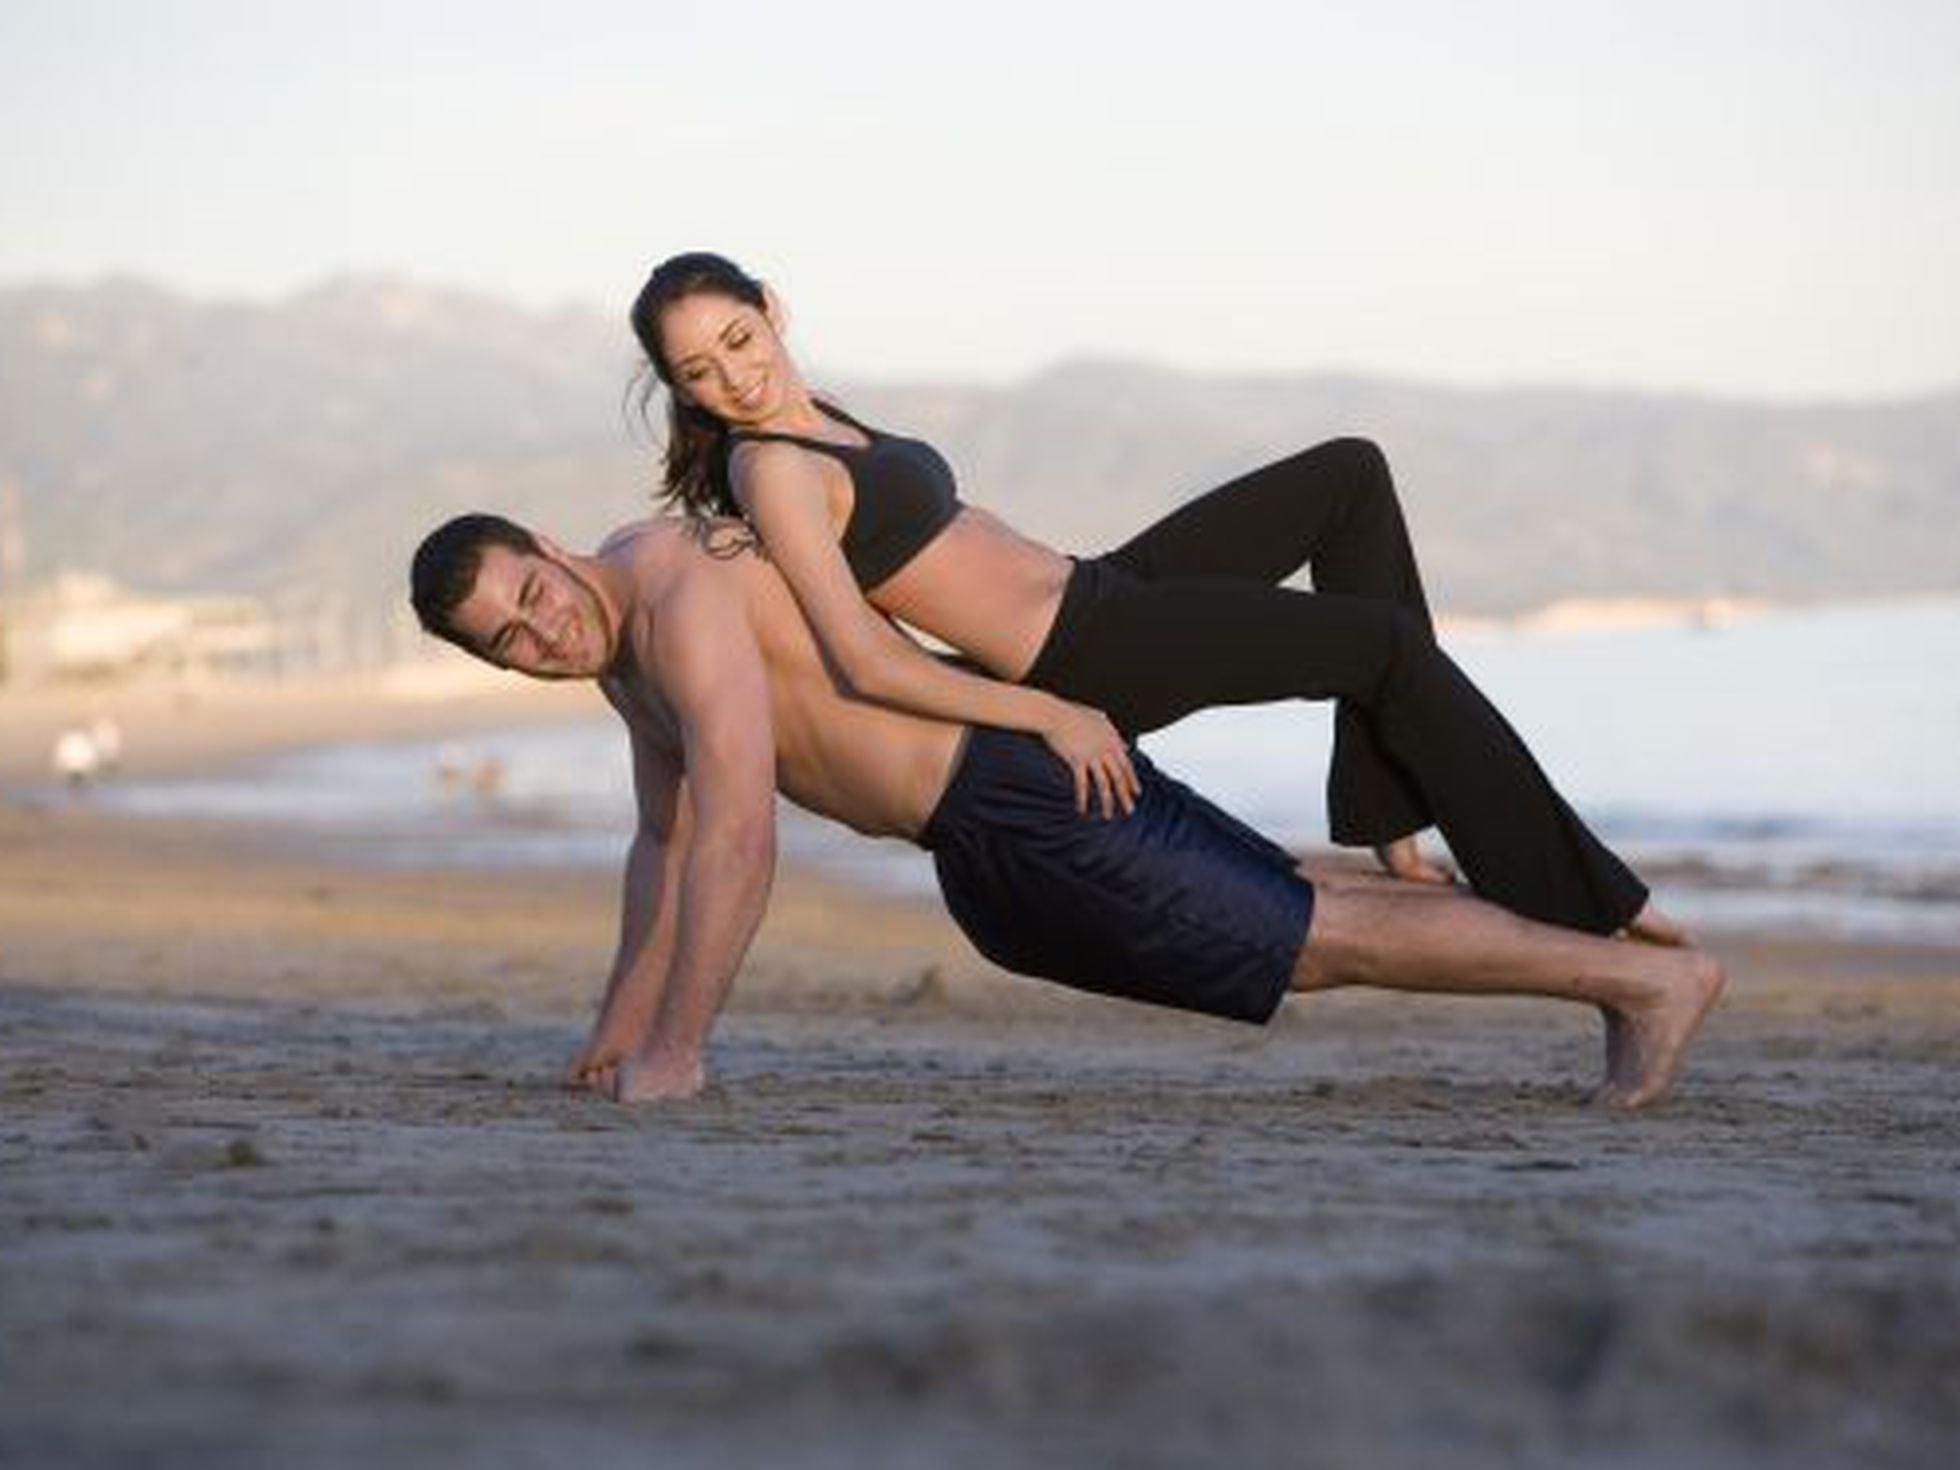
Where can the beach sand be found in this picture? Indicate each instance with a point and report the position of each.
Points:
(287, 1177)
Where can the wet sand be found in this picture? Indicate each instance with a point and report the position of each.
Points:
(286, 1177)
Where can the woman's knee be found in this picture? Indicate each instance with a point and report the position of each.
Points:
(1360, 464)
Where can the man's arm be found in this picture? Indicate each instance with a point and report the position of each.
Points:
(646, 908)
(706, 662)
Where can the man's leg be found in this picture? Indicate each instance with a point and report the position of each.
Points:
(1653, 999)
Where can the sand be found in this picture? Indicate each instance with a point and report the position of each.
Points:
(286, 1177)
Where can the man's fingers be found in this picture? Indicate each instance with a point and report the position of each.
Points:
(1081, 775)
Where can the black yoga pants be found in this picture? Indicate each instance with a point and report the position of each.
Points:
(1188, 615)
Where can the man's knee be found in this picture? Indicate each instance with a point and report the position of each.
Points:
(1337, 950)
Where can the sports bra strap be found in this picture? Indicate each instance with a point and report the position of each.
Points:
(842, 417)
(826, 445)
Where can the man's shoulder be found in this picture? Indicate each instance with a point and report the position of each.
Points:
(638, 541)
(669, 551)
(692, 612)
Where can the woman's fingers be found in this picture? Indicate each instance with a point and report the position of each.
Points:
(1105, 792)
(1116, 785)
(1128, 784)
(1097, 757)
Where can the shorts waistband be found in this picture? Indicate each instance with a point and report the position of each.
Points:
(933, 833)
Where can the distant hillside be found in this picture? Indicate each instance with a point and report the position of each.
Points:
(301, 450)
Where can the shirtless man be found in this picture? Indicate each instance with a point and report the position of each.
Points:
(699, 646)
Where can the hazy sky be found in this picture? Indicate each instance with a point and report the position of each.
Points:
(1756, 198)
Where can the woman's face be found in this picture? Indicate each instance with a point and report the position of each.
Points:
(726, 357)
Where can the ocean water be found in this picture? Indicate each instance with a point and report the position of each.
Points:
(1800, 769)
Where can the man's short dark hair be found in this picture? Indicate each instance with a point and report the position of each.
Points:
(446, 564)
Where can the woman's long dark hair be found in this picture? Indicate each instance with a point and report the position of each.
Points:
(696, 471)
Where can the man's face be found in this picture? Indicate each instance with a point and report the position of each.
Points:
(531, 612)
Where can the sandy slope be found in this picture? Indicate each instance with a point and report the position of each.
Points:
(285, 1178)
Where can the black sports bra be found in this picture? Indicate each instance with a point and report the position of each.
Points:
(902, 495)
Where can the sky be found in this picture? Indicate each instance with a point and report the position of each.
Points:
(1704, 196)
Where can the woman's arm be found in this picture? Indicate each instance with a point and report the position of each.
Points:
(783, 490)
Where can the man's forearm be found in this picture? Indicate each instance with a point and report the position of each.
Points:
(646, 942)
(724, 888)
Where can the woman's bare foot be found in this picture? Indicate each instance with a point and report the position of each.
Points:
(1651, 926)
(1647, 1040)
(1403, 859)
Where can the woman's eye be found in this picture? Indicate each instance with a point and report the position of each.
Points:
(739, 340)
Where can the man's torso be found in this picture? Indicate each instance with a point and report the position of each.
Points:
(873, 768)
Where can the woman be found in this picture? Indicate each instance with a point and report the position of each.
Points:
(866, 526)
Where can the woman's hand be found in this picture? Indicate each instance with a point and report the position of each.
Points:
(1097, 756)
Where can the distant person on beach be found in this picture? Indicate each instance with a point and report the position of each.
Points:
(700, 647)
(1088, 653)
(75, 759)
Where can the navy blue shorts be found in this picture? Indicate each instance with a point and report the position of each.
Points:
(1177, 904)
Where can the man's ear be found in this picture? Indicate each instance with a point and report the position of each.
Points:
(774, 310)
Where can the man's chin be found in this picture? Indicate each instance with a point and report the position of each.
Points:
(554, 675)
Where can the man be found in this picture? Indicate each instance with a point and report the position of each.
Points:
(699, 646)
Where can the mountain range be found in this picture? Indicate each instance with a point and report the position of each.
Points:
(298, 450)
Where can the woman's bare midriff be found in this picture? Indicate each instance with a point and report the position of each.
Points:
(980, 587)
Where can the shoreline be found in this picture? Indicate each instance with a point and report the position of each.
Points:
(1825, 894)
(180, 723)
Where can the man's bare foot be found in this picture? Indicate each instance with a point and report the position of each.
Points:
(1651, 926)
(1647, 1041)
(659, 1078)
(1403, 859)
(598, 1060)
(602, 1080)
